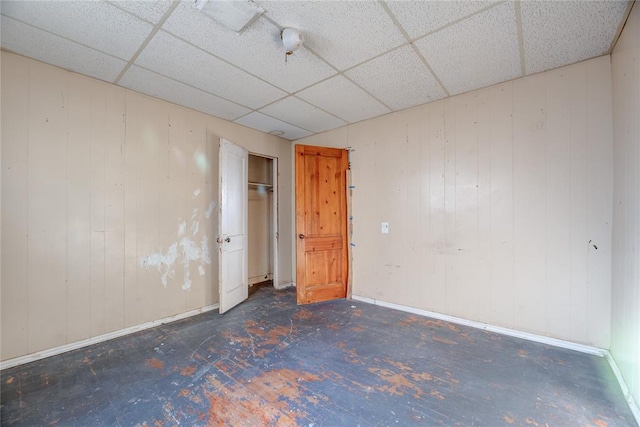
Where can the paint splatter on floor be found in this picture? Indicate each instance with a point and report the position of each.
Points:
(269, 362)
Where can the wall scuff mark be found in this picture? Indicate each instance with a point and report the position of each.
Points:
(186, 251)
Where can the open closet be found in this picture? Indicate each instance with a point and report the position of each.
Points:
(261, 221)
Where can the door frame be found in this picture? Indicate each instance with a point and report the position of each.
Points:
(274, 216)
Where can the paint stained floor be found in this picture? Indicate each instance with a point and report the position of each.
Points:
(341, 363)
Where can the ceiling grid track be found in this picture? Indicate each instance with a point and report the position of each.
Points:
(60, 36)
(410, 43)
(147, 40)
(225, 61)
(199, 89)
(518, 9)
(457, 21)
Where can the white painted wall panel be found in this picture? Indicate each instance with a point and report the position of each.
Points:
(503, 187)
(15, 167)
(500, 255)
(82, 99)
(625, 316)
(46, 213)
(96, 180)
(529, 168)
(579, 201)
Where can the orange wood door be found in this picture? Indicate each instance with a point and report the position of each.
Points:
(321, 223)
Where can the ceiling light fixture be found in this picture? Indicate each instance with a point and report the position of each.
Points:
(233, 14)
(292, 39)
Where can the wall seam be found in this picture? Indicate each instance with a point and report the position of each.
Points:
(66, 255)
(28, 199)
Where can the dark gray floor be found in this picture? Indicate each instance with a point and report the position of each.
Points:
(270, 362)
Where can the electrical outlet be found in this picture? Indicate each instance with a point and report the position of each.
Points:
(384, 228)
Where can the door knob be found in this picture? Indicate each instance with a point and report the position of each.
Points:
(301, 236)
(228, 239)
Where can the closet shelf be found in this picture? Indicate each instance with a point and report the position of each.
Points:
(259, 184)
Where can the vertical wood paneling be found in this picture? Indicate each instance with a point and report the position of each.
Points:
(578, 134)
(625, 298)
(97, 221)
(47, 213)
(15, 169)
(150, 128)
(94, 181)
(417, 177)
(169, 182)
(484, 295)
(365, 234)
(180, 199)
(436, 276)
(514, 172)
(450, 253)
(82, 96)
(131, 161)
(501, 255)
(196, 140)
(464, 243)
(529, 202)
(114, 268)
(398, 185)
(558, 199)
(600, 185)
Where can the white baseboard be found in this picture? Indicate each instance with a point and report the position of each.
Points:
(284, 285)
(487, 327)
(10, 363)
(633, 405)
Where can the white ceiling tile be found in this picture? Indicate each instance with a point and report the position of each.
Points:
(564, 32)
(344, 33)
(258, 49)
(169, 56)
(299, 113)
(149, 10)
(46, 47)
(268, 124)
(421, 17)
(94, 24)
(477, 52)
(153, 84)
(399, 79)
(342, 98)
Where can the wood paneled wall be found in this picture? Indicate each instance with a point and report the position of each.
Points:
(625, 321)
(108, 206)
(499, 204)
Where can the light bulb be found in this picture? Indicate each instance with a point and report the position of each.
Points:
(291, 39)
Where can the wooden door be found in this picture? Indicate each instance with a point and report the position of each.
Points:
(232, 225)
(321, 223)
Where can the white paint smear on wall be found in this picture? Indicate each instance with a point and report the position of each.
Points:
(212, 206)
(163, 262)
(185, 252)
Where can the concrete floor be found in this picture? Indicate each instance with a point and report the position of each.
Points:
(270, 362)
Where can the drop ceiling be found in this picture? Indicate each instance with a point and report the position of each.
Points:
(361, 59)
